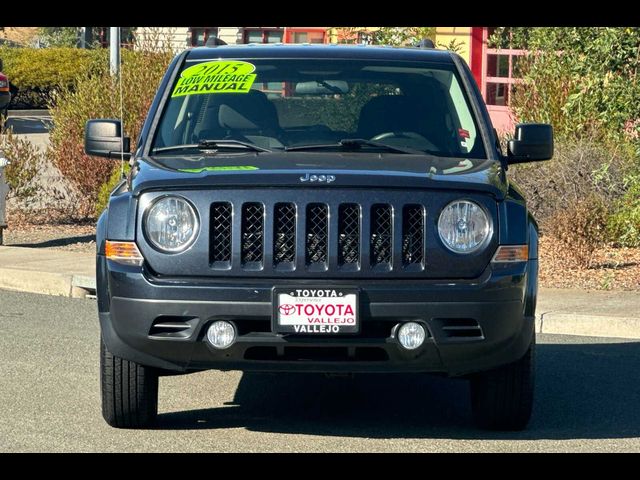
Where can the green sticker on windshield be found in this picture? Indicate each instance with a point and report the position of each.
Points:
(216, 77)
(218, 169)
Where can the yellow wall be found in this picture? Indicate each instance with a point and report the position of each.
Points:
(460, 35)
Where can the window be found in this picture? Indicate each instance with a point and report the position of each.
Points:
(500, 73)
(263, 35)
(200, 35)
(306, 37)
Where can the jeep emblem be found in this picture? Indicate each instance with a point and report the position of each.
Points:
(318, 178)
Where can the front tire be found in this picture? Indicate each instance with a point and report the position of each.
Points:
(502, 399)
(129, 391)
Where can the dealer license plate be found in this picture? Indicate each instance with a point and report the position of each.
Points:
(311, 311)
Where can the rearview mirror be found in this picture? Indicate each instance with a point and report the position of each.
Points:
(532, 142)
(328, 87)
(103, 138)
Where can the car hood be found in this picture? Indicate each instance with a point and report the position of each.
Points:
(318, 170)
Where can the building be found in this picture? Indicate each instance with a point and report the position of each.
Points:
(183, 37)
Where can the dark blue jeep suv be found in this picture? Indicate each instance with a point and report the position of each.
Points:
(320, 209)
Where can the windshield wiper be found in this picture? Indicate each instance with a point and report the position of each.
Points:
(356, 143)
(213, 145)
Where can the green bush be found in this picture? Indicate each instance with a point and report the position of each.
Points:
(583, 80)
(37, 72)
(96, 95)
(24, 165)
(624, 224)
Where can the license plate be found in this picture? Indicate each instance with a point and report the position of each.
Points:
(315, 311)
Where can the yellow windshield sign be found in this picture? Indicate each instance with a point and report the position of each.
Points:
(216, 77)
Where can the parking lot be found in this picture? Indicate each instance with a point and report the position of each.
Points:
(585, 401)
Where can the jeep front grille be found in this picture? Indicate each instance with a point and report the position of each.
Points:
(221, 221)
(381, 235)
(252, 234)
(349, 234)
(317, 234)
(284, 234)
(317, 237)
(412, 234)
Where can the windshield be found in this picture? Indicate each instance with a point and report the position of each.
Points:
(282, 104)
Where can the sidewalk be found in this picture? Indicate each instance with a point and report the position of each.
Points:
(559, 311)
(590, 313)
(48, 271)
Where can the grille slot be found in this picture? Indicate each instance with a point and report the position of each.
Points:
(317, 234)
(413, 235)
(467, 328)
(169, 326)
(381, 235)
(221, 235)
(252, 234)
(349, 234)
(284, 233)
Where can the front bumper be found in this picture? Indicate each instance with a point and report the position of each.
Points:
(473, 325)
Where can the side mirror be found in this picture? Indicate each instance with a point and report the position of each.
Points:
(532, 142)
(103, 138)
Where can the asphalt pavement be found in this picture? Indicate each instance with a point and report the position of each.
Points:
(26, 122)
(586, 399)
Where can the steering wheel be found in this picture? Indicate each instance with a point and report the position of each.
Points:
(414, 135)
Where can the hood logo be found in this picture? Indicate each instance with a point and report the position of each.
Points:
(318, 178)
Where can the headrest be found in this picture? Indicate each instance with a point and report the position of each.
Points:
(247, 111)
(387, 113)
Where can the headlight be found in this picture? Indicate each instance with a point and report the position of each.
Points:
(171, 224)
(464, 227)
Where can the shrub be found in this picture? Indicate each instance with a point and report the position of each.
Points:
(581, 228)
(624, 224)
(37, 72)
(96, 95)
(581, 170)
(24, 160)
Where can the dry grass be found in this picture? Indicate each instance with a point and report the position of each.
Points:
(609, 269)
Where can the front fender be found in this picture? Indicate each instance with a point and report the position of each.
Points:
(102, 294)
(531, 293)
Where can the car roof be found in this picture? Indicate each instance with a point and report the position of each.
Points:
(320, 51)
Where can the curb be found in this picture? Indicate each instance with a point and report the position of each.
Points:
(29, 113)
(47, 283)
(563, 323)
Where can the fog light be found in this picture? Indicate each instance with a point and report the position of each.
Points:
(411, 335)
(221, 334)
